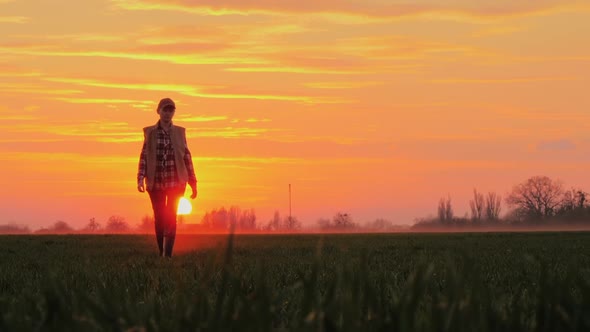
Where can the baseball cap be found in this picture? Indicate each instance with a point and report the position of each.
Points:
(166, 102)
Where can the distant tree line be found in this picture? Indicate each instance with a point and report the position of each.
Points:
(115, 224)
(216, 220)
(225, 219)
(539, 200)
(288, 223)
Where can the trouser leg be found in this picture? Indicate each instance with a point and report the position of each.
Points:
(169, 246)
(173, 197)
(158, 199)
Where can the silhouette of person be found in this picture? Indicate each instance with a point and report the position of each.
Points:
(166, 166)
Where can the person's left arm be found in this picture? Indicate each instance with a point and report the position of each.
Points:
(188, 162)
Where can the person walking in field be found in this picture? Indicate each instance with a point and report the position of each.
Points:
(165, 168)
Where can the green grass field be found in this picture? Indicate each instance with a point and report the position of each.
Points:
(346, 282)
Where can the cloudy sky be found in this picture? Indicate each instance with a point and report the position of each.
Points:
(376, 108)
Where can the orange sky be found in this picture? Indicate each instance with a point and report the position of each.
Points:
(372, 107)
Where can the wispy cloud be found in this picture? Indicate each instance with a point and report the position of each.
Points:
(74, 157)
(198, 91)
(117, 159)
(14, 19)
(53, 131)
(556, 145)
(78, 37)
(181, 48)
(230, 132)
(13, 70)
(30, 140)
(135, 102)
(116, 132)
(502, 80)
(295, 70)
(254, 120)
(466, 11)
(202, 118)
(260, 48)
(498, 31)
(193, 57)
(36, 89)
(249, 159)
(19, 117)
(342, 84)
(20, 74)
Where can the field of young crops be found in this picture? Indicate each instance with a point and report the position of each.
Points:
(342, 282)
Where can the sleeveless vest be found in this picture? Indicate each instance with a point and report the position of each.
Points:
(178, 139)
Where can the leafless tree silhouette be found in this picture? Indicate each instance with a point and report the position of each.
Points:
(493, 206)
(147, 224)
(477, 206)
(536, 198)
(92, 226)
(445, 210)
(342, 221)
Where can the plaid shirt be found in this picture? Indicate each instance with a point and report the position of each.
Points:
(166, 174)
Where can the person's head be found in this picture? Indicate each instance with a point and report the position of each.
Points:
(166, 109)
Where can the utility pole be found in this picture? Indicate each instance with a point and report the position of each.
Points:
(289, 202)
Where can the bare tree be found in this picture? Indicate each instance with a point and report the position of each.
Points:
(450, 213)
(477, 206)
(442, 208)
(581, 198)
(247, 220)
(221, 219)
(233, 215)
(445, 210)
(117, 224)
(147, 224)
(342, 221)
(573, 199)
(207, 220)
(287, 223)
(291, 223)
(92, 225)
(493, 206)
(537, 197)
(380, 224)
(574, 205)
(275, 223)
(216, 219)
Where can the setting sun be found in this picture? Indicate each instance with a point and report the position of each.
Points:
(184, 206)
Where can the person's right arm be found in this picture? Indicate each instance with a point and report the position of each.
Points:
(142, 169)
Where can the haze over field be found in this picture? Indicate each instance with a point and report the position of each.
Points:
(375, 108)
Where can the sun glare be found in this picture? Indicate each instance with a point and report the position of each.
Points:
(184, 206)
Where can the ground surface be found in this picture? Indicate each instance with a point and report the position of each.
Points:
(344, 282)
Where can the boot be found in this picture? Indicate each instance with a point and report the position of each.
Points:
(168, 246)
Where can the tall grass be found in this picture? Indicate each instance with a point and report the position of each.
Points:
(291, 283)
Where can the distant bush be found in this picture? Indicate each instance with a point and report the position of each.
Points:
(341, 221)
(117, 224)
(14, 229)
